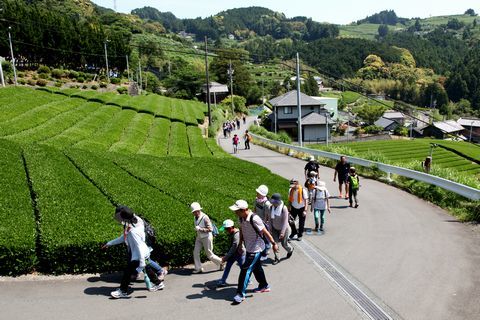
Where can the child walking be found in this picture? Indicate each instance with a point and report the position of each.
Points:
(354, 185)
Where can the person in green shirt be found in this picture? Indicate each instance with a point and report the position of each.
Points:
(354, 185)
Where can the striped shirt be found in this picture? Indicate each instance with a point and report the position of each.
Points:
(253, 241)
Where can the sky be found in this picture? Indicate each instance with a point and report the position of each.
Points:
(336, 11)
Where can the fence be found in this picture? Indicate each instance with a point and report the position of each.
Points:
(463, 190)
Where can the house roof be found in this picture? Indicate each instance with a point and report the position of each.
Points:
(448, 126)
(384, 122)
(289, 99)
(393, 115)
(469, 122)
(216, 87)
(314, 118)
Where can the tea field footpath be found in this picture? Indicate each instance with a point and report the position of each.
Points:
(409, 254)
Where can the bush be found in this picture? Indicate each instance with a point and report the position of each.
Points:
(94, 87)
(84, 86)
(115, 81)
(103, 85)
(21, 74)
(41, 82)
(58, 73)
(58, 84)
(122, 90)
(31, 82)
(21, 81)
(43, 70)
(43, 76)
(373, 129)
(80, 79)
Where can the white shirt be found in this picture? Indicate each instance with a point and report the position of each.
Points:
(295, 203)
(135, 240)
(319, 199)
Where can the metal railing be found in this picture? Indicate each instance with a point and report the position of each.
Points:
(463, 190)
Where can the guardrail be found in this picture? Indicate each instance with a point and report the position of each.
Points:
(463, 190)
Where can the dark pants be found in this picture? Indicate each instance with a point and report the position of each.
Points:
(301, 221)
(247, 144)
(131, 269)
(352, 194)
(252, 264)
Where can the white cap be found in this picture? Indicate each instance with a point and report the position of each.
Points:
(195, 207)
(263, 190)
(311, 158)
(239, 205)
(321, 185)
(227, 223)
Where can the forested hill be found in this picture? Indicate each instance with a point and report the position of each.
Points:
(243, 23)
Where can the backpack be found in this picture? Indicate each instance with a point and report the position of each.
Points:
(354, 182)
(309, 184)
(150, 233)
(215, 231)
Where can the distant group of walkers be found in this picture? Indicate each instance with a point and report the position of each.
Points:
(268, 223)
(232, 125)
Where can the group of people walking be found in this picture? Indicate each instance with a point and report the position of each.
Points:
(247, 137)
(269, 222)
(231, 125)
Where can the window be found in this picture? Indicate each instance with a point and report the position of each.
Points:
(287, 110)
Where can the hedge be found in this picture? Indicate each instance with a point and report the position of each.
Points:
(156, 143)
(178, 143)
(134, 135)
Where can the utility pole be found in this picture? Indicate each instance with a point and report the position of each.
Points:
(13, 57)
(208, 83)
(140, 73)
(128, 68)
(1, 74)
(230, 73)
(106, 60)
(299, 104)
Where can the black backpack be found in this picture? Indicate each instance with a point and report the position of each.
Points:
(150, 233)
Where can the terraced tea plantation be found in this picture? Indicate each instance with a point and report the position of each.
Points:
(459, 156)
(69, 158)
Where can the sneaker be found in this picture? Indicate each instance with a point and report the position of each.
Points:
(117, 294)
(238, 299)
(276, 261)
(221, 284)
(321, 229)
(262, 290)
(289, 254)
(299, 239)
(263, 258)
(351, 205)
(198, 271)
(157, 287)
(356, 205)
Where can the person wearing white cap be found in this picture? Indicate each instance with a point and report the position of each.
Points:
(320, 203)
(252, 231)
(203, 227)
(262, 209)
(236, 253)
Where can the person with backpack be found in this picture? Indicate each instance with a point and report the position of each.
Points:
(279, 225)
(312, 165)
(238, 123)
(235, 141)
(252, 232)
(262, 209)
(320, 203)
(298, 199)
(204, 239)
(341, 169)
(247, 137)
(354, 185)
(134, 237)
(236, 253)
(310, 183)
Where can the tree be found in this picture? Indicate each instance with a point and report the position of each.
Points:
(382, 30)
(471, 12)
(418, 26)
(371, 113)
(455, 24)
(310, 87)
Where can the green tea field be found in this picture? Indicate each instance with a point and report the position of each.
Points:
(459, 156)
(69, 157)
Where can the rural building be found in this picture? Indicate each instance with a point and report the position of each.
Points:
(314, 115)
(387, 124)
(443, 129)
(218, 92)
(395, 116)
(472, 126)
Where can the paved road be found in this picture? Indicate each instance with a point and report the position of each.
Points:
(412, 255)
(405, 253)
